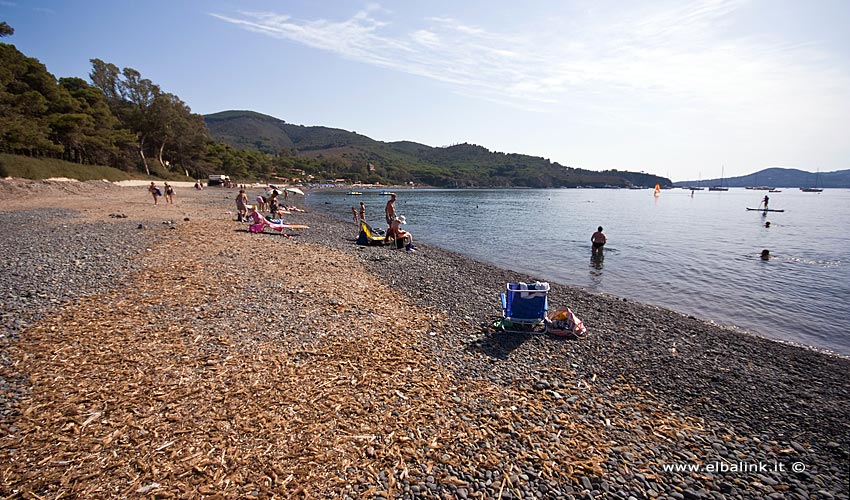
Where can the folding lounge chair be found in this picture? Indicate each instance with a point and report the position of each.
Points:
(524, 307)
(369, 236)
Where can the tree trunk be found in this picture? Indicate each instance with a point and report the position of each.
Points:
(142, 154)
(161, 163)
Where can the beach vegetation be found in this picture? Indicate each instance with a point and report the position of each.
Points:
(25, 167)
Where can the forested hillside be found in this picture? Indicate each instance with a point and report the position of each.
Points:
(781, 177)
(359, 158)
(118, 119)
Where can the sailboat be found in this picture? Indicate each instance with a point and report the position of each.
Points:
(720, 186)
(814, 189)
(697, 187)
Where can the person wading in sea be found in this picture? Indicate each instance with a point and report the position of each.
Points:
(598, 240)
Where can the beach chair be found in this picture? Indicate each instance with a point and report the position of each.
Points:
(524, 307)
(369, 236)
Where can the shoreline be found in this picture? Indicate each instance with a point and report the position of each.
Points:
(486, 276)
(727, 302)
(647, 387)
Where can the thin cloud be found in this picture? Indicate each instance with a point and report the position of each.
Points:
(7, 4)
(679, 57)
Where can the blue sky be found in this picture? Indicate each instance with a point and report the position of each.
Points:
(676, 88)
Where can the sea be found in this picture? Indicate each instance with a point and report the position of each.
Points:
(693, 252)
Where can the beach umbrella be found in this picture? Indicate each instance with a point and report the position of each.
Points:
(294, 190)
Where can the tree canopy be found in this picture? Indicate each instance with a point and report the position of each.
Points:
(6, 30)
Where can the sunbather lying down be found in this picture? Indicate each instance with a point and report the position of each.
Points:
(260, 223)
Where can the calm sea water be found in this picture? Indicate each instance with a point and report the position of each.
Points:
(694, 254)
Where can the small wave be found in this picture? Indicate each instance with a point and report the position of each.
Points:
(819, 263)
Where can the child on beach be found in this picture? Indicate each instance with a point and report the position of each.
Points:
(241, 205)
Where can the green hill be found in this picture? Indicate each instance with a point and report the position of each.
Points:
(361, 158)
(781, 177)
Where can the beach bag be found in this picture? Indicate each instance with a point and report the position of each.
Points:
(564, 322)
(158, 192)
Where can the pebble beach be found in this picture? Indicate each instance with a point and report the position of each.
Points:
(166, 352)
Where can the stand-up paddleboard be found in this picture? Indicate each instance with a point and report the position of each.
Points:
(764, 209)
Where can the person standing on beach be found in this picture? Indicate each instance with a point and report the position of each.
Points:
(390, 210)
(241, 205)
(169, 194)
(362, 211)
(354, 214)
(766, 199)
(598, 240)
(155, 192)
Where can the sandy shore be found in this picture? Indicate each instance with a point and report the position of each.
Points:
(146, 354)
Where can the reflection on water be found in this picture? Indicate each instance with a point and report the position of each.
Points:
(596, 262)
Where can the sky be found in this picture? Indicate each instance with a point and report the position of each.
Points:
(682, 89)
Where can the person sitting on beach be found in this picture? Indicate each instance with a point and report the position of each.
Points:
(273, 203)
(390, 210)
(598, 240)
(241, 205)
(402, 238)
(155, 192)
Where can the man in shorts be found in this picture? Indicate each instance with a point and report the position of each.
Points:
(390, 210)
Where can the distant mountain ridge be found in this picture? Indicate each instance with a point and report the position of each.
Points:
(361, 158)
(780, 177)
